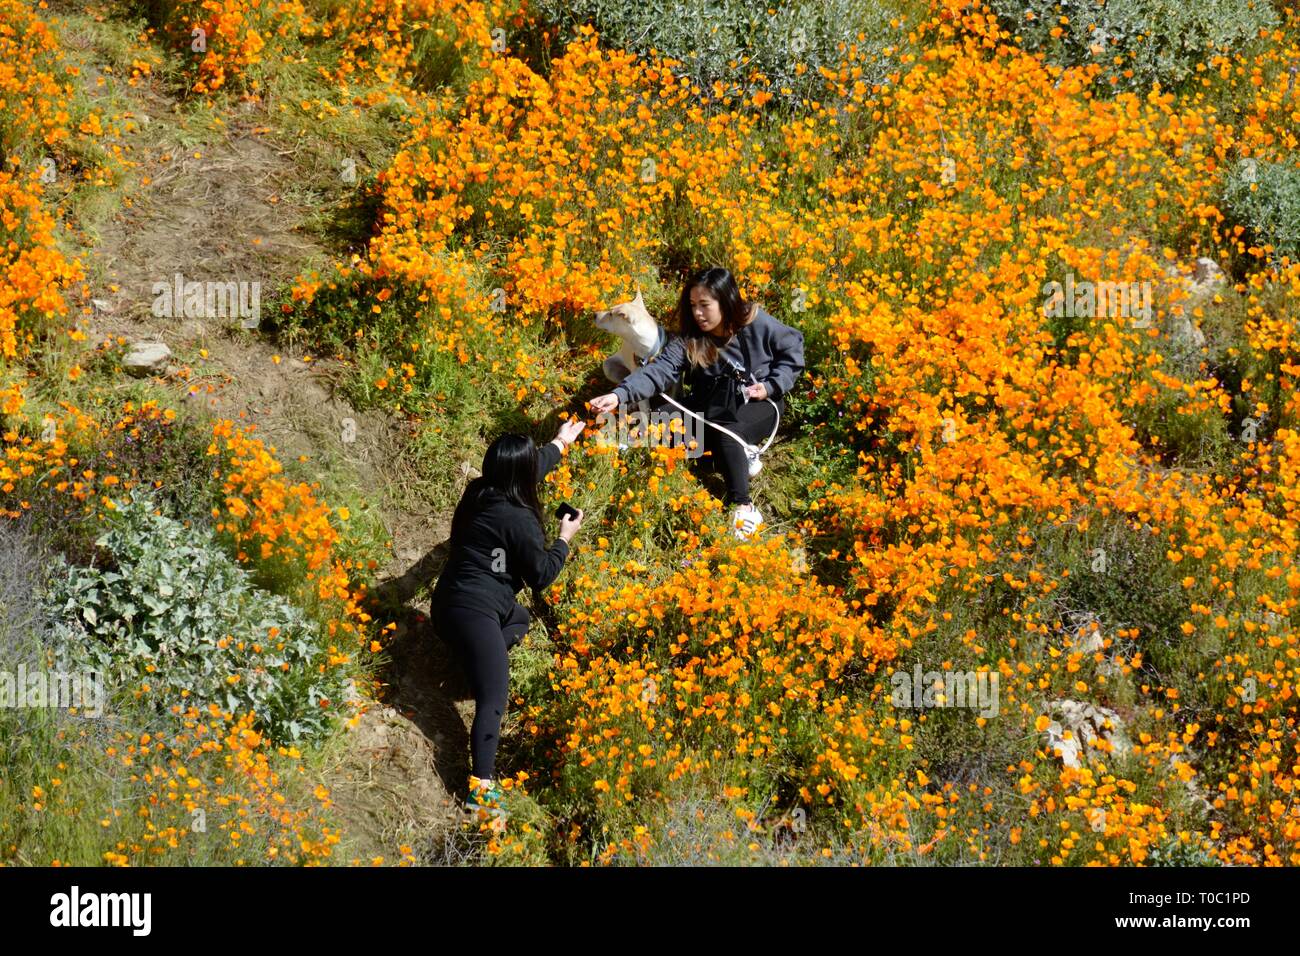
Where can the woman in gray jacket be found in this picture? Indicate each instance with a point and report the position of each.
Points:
(736, 355)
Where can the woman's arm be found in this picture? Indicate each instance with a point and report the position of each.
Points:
(548, 456)
(656, 376)
(787, 360)
(538, 565)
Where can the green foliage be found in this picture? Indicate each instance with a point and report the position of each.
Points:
(1174, 852)
(1138, 42)
(725, 41)
(171, 610)
(157, 13)
(1264, 198)
(170, 454)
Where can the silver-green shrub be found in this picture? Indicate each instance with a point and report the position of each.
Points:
(723, 41)
(1152, 40)
(171, 610)
(1264, 197)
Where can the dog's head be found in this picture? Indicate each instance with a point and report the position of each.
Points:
(630, 320)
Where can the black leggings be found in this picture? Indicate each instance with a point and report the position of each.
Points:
(753, 422)
(481, 643)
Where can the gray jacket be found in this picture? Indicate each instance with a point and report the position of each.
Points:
(775, 355)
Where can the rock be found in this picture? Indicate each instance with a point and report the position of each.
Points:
(1089, 726)
(1110, 670)
(468, 471)
(1084, 631)
(146, 358)
(1185, 330)
(1067, 748)
(1090, 641)
(351, 694)
(1208, 272)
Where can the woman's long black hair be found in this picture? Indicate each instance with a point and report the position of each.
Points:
(736, 313)
(509, 466)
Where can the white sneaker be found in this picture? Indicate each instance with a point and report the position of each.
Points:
(745, 521)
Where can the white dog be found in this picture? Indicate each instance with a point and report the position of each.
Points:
(642, 337)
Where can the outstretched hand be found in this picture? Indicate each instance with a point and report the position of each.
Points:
(604, 403)
(570, 431)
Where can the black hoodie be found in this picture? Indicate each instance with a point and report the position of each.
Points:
(501, 548)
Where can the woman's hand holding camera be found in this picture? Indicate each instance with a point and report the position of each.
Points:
(570, 524)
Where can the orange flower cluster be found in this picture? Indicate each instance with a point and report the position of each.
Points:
(381, 41)
(33, 100)
(990, 434)
(215, 782)
(34, 123)
(283, 525)
(559, 174)
(55, 459)
(35, 270)
(384, 41)
(223, 40)
(757, 655)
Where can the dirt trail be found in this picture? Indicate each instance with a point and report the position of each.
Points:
(220, 212)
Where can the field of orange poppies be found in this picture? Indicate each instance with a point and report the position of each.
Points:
(1028, 589)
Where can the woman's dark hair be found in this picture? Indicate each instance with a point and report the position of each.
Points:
(510, 467)
(736, 313)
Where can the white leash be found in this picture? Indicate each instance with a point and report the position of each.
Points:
(751, 451)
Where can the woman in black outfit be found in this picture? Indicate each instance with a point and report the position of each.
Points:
(497, 547)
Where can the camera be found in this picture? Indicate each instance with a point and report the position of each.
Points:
(740, 378)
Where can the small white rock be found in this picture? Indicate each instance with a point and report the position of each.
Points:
(1208, 271)
(146, 358)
